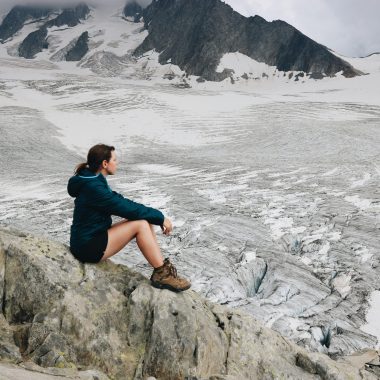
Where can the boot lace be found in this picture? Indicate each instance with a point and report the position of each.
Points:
(172, 269)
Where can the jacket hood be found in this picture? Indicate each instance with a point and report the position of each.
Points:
(79, 180)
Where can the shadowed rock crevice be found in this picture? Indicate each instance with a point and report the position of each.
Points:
(326, 340)
(222, 320)
(3, 287)
(260, 280)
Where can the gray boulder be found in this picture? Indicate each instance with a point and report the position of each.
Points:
(68, 316)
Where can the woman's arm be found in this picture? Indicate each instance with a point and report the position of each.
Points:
(101, 198)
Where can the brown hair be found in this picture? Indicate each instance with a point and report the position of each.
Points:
(95, 156)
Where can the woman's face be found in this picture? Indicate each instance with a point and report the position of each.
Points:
(111, 165)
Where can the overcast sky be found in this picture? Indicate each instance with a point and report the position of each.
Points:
(350, 27)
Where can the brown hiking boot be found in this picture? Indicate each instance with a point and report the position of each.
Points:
(165, 277)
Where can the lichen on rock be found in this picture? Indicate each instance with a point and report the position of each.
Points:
(70, 317)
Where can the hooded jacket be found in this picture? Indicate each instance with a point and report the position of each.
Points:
(95, 202)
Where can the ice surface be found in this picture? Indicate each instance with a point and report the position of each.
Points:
(372, 326)
(242, 64)
(272, 185)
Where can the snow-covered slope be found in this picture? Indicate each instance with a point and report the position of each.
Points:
(369, 64)
(272, 187)
(114, 38)
(272, 183)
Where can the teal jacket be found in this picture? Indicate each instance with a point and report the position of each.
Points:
(95, 202)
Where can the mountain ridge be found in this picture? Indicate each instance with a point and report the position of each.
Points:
(275, 43)
(193, 35)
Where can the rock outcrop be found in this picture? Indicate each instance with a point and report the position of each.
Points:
(195, 34)
(17, 17)
(66, 316)
(70, 16)
(207, 39)
(36, 41)
(133, 11)
(79, 50)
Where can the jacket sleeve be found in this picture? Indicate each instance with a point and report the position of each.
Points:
(111, 202)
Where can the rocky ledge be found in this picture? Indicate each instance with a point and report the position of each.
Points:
(62, 319)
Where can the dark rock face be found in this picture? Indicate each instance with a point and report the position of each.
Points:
(36, 41)
(16, 18)
(195, 34)
(70, 16)
(79, 49)
(133, 10)
(33, 43)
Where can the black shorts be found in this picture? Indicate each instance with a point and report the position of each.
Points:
(93, 250)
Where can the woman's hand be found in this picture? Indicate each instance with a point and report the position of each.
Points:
(167, 227)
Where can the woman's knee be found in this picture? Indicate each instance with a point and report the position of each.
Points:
(137, 227)
(144, 224)
(151, 226)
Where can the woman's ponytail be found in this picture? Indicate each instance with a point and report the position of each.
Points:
(80, 167)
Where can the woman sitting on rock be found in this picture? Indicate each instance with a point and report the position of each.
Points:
(93, 237)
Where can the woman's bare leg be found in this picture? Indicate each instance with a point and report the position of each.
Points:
(123, 232)
(153, 232)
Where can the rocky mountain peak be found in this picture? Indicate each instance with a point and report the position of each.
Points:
(195, 34)
(206, 39)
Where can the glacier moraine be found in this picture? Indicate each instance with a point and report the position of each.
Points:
(275, 201)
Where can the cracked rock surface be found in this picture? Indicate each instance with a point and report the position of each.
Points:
(107, 318)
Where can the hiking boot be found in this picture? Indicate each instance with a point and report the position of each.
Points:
(165, 277)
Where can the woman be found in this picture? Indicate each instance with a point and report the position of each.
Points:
(93, 237)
